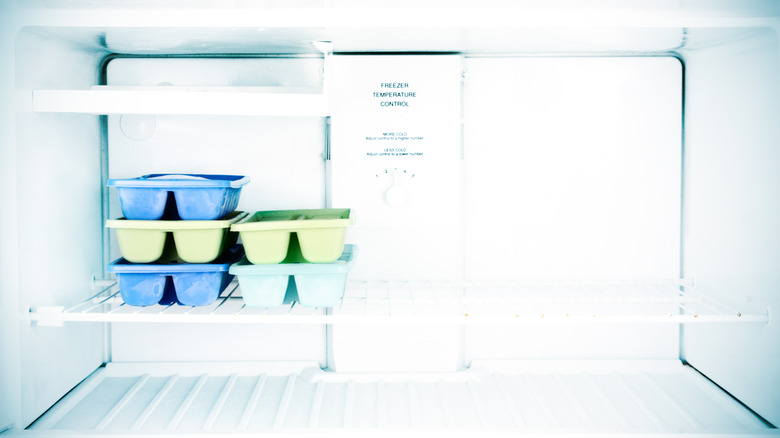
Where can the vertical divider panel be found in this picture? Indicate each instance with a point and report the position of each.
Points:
(395, 154)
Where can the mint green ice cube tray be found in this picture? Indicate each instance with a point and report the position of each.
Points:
(317, 284)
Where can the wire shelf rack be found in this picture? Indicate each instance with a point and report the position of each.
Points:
(435, 302)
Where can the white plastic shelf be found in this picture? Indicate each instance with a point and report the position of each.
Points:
(435, 302)
(172, 100)
(562, 397)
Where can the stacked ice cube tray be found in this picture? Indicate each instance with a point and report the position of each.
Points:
(175, 237)
(178, 243)
(303, 246)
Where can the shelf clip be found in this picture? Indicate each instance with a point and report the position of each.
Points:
(40, 318)
(326, 48)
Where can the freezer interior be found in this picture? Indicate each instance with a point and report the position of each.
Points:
(566, 218)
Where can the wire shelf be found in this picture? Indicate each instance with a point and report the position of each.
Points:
(435, 302)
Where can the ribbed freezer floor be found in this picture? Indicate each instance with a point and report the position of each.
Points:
(657, 396)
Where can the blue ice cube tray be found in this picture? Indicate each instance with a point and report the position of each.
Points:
(188, 284)
(318, 284)
(178, 196)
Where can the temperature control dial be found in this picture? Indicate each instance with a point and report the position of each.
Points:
(397, 195)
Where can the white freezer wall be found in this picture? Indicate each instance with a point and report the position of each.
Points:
(10, 388)
(572, 172)
(732, 211)
(572, 168)
(58, 243)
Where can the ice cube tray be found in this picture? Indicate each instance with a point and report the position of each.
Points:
(194, 196)
(320, 232)
(143, 241)
(318, 285)
(186, 284)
